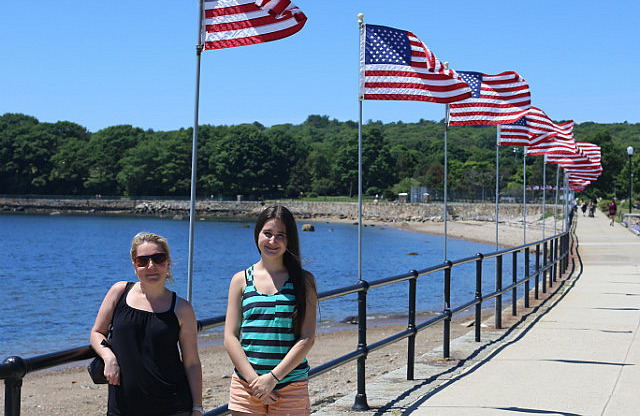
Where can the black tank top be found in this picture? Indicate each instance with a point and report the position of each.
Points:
(153, 381)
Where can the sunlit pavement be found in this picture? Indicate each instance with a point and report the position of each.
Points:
(579, 354)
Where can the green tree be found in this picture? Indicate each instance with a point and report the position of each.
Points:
(70, 162)
(13, 131)
(106, 148)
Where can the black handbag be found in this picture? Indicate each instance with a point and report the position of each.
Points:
(96, 367)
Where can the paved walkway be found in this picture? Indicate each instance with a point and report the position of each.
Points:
(579, 354)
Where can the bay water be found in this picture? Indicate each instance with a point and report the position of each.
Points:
(56, 269)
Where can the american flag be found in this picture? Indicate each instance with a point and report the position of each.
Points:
(578, 184)
(496, 99)
(230, 23)
(553, 146)
(542, 128)
(398, 66)
(534, 128)
(587, 156)
(592, 151)
(515, 134)
(582, 166)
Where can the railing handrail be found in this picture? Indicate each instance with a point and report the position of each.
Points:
(14, 368)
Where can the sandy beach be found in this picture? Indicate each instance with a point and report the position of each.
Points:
(69, 391)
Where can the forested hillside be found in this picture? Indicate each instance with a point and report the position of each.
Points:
(317, 157)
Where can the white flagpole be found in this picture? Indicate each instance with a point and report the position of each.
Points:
(524, 195)
(194, 154)
(555, 210)
(360, 99)
(497, 178)
(544, 190)
(446, 173)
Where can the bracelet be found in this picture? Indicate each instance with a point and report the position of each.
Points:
(274, 376)
(198, 408)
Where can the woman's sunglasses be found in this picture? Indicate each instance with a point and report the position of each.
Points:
(158, 258)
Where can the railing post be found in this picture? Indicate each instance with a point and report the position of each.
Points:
(526, 276)
(478, 295)
(498, 310)
(13, 386)
(565, 252)
(537, 271)
(411, 344)
(556, 255)
(544, 266)
(552, 258)
(361, 396)
(514, 280)
(446, 324)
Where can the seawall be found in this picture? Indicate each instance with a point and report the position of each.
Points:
(208, 209)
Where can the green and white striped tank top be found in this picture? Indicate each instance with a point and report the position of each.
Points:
(267, 331)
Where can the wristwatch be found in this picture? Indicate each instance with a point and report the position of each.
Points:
(198, 408)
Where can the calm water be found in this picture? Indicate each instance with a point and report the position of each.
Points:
(55, 270)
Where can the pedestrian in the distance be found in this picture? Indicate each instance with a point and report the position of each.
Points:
(613, 208)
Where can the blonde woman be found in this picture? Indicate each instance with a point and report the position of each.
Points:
(151, 360)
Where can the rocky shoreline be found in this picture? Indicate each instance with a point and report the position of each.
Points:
(210, 209)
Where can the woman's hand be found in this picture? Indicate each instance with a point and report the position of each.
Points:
(262, 387)
(112, 371)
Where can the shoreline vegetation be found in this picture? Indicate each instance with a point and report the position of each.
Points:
(69, 390)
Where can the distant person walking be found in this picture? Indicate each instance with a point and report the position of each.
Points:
(583, 207)
(613, 208)
(271, 322)
(148, 374)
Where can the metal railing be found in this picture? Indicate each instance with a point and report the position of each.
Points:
(551, 260)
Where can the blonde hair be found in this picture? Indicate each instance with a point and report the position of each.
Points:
(146, 237)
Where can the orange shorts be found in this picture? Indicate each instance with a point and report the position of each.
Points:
(293, 399)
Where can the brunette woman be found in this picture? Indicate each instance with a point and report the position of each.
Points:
(270, 323)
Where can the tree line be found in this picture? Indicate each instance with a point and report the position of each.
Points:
(317, 157)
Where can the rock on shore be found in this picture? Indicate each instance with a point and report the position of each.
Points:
(210, 209)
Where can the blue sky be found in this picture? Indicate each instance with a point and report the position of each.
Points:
(100, 64)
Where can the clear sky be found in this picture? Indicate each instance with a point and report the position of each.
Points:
(104, 63)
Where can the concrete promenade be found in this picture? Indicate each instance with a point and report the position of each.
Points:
(578, 354)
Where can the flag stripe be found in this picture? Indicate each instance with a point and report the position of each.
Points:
(230, 23)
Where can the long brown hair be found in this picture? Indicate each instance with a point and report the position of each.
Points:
(291, 258)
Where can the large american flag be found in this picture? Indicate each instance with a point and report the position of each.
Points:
(496, 99)
(230, 23)
(398, 66)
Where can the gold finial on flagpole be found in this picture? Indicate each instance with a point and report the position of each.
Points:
(446, 65)
(360, 18)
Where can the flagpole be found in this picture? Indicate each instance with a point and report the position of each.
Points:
(524, 195)
(360, 99)
(555, 210)
(360, 193)
(565, 183)
(544, 190)
(194, 156)
(446, 172)
(497, 178)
